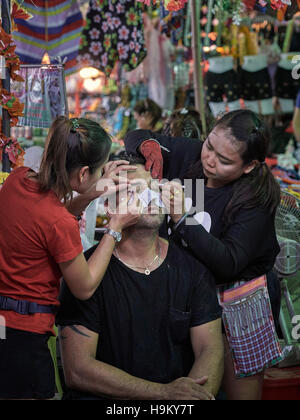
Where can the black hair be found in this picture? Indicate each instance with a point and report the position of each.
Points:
(184, 123)
(150, 107)
(133, 159)
(258, 188)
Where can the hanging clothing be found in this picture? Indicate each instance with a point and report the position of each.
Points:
(255, 86)
(43, 95)
(219, 85)
(55, 28)
(114, 31)
(161, 82)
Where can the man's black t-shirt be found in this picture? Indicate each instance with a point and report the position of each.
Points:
(144, 321)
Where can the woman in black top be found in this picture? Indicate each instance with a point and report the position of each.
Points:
(236, 236)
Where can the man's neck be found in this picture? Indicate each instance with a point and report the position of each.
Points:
(139, 246)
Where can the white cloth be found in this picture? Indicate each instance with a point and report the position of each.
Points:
(33, 158)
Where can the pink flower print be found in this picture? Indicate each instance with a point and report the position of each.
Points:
(95, 5)
(94, 33)
(97, 19)
(137, 48)
(95, 48)
(97, 64)
(105, 27)
(110, 21)
(134, 34)
(122, 51)
(104, 60)
(132, 45)
(124, 33)
(120, 8)
(84, 60)
(117, 22)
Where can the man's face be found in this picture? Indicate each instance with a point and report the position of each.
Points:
(153, 215)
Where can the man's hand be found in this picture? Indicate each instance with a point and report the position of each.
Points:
(151, 151)
(187, 389)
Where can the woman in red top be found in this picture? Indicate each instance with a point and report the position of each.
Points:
(40, 242)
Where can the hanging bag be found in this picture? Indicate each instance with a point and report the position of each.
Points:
(250, 328)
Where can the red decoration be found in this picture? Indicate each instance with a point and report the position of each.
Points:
(13, 149)
(9, 102)
(250, 4)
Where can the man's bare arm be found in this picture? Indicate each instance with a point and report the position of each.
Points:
(208, 347)
(83, 372)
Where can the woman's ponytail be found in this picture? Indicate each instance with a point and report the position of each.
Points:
(71, 144)
(53, 172)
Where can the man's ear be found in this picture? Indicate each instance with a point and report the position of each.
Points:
(249, 168)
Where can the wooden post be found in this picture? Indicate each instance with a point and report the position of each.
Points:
(197, 56)
(5, 11)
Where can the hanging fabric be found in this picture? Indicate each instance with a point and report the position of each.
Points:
(114, 32)
(250, 328)
(55, 28)
(43, 95)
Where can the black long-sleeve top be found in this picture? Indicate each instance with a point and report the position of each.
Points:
(247, 248)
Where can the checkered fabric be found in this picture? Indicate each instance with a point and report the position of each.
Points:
(249, 326)
(256, 351)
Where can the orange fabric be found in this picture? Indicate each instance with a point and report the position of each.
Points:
(36, 234)
(281, 13)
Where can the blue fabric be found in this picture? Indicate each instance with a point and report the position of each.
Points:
(24, 307)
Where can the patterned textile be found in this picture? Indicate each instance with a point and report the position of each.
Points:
(250, 329)
(43, 95)
(114, 31)
(55, 28)
(218, 85)
(170, 5)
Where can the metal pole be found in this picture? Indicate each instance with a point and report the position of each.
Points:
(197, 56)
(6, 24)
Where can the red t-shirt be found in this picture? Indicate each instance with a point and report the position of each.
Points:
(36, 234)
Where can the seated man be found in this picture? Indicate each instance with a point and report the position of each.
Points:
(152, 330)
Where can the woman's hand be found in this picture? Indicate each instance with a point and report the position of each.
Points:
(111, 182)
(127, 213)
(174, 199)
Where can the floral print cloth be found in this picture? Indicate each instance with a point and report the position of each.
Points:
(113, 32)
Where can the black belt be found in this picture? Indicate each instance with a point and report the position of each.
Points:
(24, 307)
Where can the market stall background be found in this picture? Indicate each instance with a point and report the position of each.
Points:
(99, 58)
